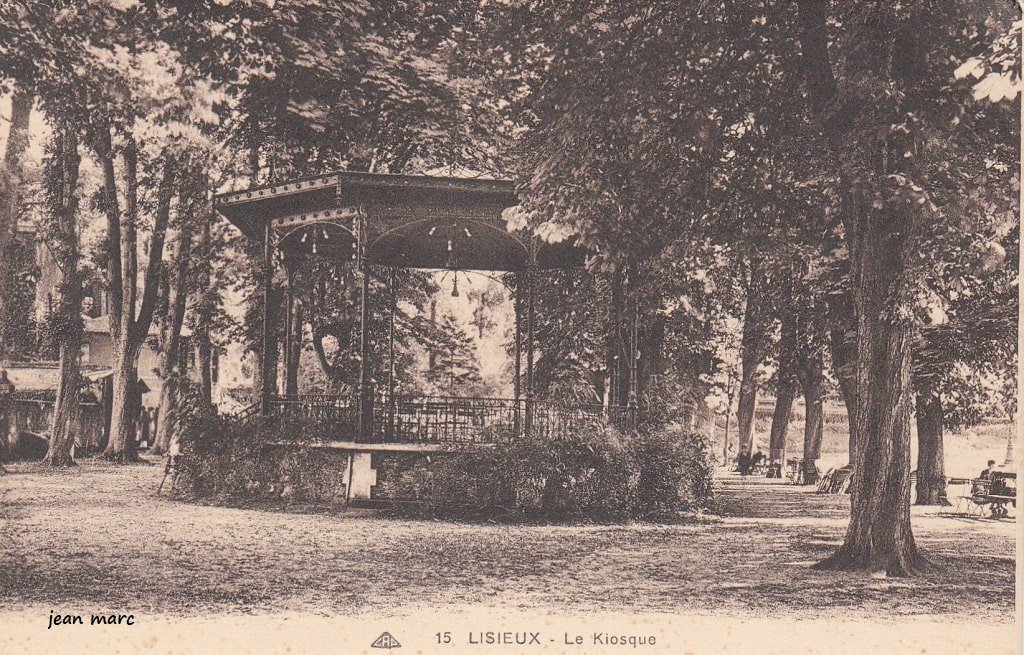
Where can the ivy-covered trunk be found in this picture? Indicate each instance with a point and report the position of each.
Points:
(174, 296)
(204, 310)
(65, 425)
(10, 199)
(61, 235)
(931, 473)
(293, 351)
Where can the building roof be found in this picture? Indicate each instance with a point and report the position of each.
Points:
(407, 221)
(101, 325)
(41, 375)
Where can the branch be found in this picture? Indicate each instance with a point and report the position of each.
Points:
(156, 252)
(175, 289)
(129, 245)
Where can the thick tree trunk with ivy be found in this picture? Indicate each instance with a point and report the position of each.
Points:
(61, 235)
(879, 230)
(65, 425)
(814, 415)
(931, 473)
(10, 199)
(128, 330)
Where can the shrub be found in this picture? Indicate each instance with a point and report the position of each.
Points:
(675, 473)
(595, 474)
(223, 458)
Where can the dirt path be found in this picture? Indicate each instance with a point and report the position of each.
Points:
(99, 537)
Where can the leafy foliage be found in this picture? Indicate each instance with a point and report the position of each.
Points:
(597, 474)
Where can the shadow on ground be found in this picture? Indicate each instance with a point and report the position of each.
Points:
(99, 537)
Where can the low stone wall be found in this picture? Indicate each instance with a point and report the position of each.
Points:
(303, 473)
(324, 473)
(400, 476)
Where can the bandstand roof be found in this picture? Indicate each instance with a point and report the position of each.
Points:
(409, 221)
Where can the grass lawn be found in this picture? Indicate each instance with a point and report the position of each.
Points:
(98, 535)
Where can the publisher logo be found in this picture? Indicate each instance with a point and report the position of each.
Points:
(385, 640)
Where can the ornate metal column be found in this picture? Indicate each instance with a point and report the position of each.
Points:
(269, 379)
(618, 341)
(291, 381)
(530, 274)
(634, 356)
(365, 382)
(391, 353)
(517, 346)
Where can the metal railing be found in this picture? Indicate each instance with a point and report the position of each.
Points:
(444, 419)
(338, 412)
(440, 419)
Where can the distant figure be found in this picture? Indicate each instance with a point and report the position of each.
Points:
(757, 458)
(744, 462)
(986, 474)
(729, 450)
(144, 433)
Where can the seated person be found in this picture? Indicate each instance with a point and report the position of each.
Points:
(1003, 486)
(986, 474)
(744, 461)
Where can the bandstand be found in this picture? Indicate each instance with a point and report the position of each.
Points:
(377, 222)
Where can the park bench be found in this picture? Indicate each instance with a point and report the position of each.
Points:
(995, 494)
(835, 481)
(794, 470)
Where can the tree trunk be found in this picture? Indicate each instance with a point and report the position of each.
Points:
(844, 366)
(168, 414)
(880, 231)
(204, 310)
(10, 197)
(931, 473)
(128, 333)
(65, 425)
(814, 416)
(752, 352)
(204, 355)
(122, 447)
(780, 421)
(175, 295)
(62, 239)
(786, 389)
